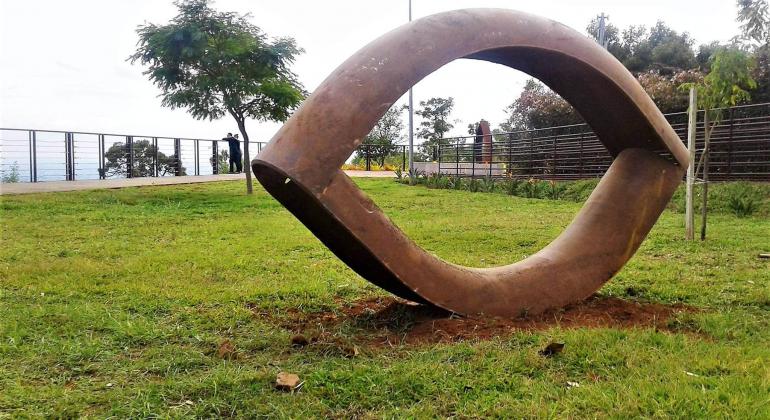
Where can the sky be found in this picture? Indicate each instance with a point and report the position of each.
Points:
(63, 63)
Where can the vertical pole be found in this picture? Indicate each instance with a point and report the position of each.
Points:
(34, 155)
(129, 157)
(457, 159)
(439, 158)
(411, 114)
(509, 165)
(730, 147)
(403, 158)
(197, 154)
(689, 215)
(553, 158)
(69, 157)
(706, 152)
(214, 158)
(491, 157)
(101, 157)
(580, 156)
(473, 162)
(367, 158)
(178, 155)
(31, 153)
(155, 157)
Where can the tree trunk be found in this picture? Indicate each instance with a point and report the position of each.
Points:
(706, 150)
(246, 158)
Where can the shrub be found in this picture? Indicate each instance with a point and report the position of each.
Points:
(487, 184)
(12, 175)
(511, 186)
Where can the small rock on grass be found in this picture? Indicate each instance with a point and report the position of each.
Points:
(226, 350)
(551, 349)
(299, 340)
(287, 382)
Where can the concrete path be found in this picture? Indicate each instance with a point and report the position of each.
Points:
(56, 186)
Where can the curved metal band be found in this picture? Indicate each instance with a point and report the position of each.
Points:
(300, 166)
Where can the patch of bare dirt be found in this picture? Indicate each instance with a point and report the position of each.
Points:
(389, 321)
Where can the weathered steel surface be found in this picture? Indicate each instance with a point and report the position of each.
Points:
(300, 166)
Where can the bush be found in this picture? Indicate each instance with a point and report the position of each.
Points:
(12, 175)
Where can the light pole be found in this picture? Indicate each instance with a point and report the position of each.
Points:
(411, 115)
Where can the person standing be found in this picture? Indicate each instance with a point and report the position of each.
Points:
(236, 159)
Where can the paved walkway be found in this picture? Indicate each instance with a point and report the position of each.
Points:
(56, 186)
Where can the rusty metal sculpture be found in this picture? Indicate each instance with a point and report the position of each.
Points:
(301, 165)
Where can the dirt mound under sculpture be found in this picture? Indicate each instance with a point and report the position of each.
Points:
(300, 166)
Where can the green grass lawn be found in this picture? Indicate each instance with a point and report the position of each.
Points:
(114, 303)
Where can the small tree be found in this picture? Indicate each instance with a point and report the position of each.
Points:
(145, 158)
(386, 135)
(435, 123)
(218, 63)
(726, 85)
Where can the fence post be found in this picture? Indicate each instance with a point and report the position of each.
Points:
(730, 147)
(403, 158)
(69, 157)
(553, 158)
(197, 154)
(438, 147)
(580, 156)
(689, 218)
(491, 156)
(32, 156)
(509, 165)
(129, 157)
(457, 159)
(367, 158)
(178, 155)
(473, 162)
(215, 157)
(155, 170)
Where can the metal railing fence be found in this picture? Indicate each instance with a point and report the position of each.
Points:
(740, 149)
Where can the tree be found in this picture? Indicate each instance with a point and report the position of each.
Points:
(385, 135)
(754, 16)
(642, 49)
(218, 63)
(726, 85)
(144, 160)
(539, 107)
(435, 123)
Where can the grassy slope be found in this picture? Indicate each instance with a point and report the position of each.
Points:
(114, 302)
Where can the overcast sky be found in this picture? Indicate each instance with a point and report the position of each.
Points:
(62, 63)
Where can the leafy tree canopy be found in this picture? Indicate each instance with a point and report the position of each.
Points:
(435, 122)
(386, 135)
(218, 63)
(145, 157)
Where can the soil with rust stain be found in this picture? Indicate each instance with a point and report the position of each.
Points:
(391, 321)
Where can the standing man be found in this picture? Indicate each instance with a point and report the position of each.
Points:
(235, 153)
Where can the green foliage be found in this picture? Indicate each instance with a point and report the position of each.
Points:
(144, 160)
(511, 186)
(222, 159)
(399, 174)
(727, 82)
(487, 184)
(641, 49)
(742, 205)
(435, 124)
(11, 175)
(218, 63)
(383, 139)
(754, 16)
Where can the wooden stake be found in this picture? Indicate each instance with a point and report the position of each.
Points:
(689, 218)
